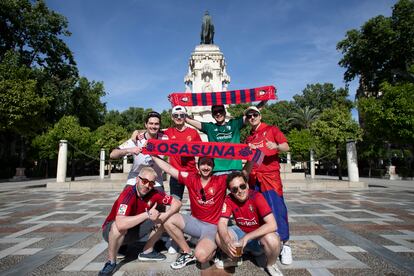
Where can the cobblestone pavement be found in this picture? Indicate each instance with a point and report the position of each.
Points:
(369, 232)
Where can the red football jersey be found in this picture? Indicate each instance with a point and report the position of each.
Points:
(205, 203)
(249, 214)
(258, 138)
(130, 204)
(183, 163)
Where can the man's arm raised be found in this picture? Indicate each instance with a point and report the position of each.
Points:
(193, 122)
(166, 167)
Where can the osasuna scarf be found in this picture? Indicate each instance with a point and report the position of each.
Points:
(224, 97)
(210, 149)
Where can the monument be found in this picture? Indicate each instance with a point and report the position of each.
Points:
(206, 69)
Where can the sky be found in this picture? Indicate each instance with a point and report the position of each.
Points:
(140, 49)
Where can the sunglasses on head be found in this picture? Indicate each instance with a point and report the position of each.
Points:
(177, 116)
(146, 181)
(252, 115)
(235, 189)
(203, 194)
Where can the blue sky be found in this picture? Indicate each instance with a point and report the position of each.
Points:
(140, 49)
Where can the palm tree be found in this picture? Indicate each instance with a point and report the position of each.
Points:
(304, 117)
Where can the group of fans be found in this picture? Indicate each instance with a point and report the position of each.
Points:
(254, 204)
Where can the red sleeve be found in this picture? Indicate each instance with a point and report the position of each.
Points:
(226, 209)
(262, 205)
(126, 200)
(185, 180)
(278, 135)
(162, 198)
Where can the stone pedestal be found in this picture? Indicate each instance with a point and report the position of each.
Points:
(62, 161)
(312, 165)
(102, 164)
(352, 161)
(206, 73)
(19, 175)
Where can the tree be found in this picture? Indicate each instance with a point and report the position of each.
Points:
(304, 117)
(108, 136)
(335, 127)
(86, 103)
(300, 143)
(322, 96)
(34, 31)
(382, 50)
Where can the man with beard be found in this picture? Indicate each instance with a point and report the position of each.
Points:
(134, 215)
(206, 192)
(134, 147)
(266, 176)
(255, 228)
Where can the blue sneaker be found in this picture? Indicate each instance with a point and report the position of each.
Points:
(108, 269)
(153, 256)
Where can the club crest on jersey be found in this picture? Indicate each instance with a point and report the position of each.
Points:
(122, 209)
(251, 208)
(223, 210)
(149, 203)
(211, 191)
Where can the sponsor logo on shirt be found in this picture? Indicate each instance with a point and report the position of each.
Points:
(122, 209)
(222, 136)
(246, 222)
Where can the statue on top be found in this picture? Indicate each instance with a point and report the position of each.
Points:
(207, 30)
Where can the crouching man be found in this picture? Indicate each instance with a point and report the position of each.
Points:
(134, 215)
(255, 228)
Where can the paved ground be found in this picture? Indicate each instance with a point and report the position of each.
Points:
(367, 232)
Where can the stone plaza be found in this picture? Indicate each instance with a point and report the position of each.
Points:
(333, 232)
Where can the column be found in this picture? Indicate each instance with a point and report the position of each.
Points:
(102, 164)
(62, 161)
(289, 158)
(312, 165)
(352, 161)
(125, 164)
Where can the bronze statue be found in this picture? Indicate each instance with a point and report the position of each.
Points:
(207, 30)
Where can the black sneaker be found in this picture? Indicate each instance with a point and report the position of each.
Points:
(183, 260)
(108, 269)
(153, 256)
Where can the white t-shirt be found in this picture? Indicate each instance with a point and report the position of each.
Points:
(142, 160)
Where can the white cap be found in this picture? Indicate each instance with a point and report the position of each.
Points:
(254, 108)
(179, 109)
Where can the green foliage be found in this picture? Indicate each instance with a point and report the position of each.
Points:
(67, 128)
(382, 50)
(322, 96)
(391, 116)
(304, 117)
(20, 106)
(335, 126)
(300, 143)
(34, 31)
(107, 136)
(86, 103)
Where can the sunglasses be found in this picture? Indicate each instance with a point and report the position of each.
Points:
(178, 116)
(146, 181)
(235, 189)
(203, 194)
(216, 112)
(252, 115)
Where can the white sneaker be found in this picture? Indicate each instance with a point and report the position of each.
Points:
(274, 270)
(286, 255)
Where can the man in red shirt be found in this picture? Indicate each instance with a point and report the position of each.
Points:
(134, 215)
(180, 132)
(266, 176)
(206, 193)
(255, 227)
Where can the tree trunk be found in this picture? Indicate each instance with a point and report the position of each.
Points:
(338, 161)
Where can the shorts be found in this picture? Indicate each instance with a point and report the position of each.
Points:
(133, 234)
(199, 229)
(253, 246)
